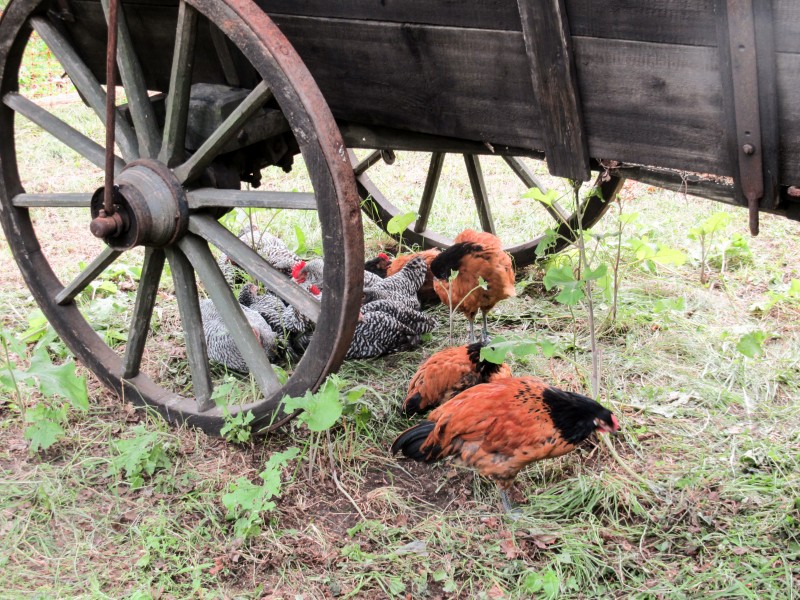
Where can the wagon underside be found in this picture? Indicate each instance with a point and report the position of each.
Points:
(648, 73)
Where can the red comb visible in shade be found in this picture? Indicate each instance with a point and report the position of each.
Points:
(296, 270)
(314, 290)
(383, 255)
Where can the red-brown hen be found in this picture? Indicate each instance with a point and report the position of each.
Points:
(498, 428)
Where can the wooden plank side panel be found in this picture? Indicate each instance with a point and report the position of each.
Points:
(788, 72)
(687, 22)
(555, 87)
(786, 20)
(466, 83)
(477, 14)
(655, 104)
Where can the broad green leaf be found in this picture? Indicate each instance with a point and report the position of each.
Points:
(669, 256)
(45, 426)
(548, 241)
(546, 198)
(794, 289)
(550, 583)
(716, 222)
(750, 344)
(320, 410)
(669, 304)
(591, 275)
(571, 294)
(59, 380)
(301, 241)
(558, 276)
(400, 223)
(627, 218)
(37, 327)
(355, 394)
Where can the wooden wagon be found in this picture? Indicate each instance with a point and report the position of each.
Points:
(217, 90)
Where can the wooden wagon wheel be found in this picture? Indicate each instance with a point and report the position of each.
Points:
(381, 210)
(165, 209)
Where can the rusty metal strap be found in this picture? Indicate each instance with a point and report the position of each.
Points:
(741, 81)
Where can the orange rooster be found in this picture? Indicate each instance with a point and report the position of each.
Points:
(447, 373)
(499, 428)
(474, 256)
(426, 294)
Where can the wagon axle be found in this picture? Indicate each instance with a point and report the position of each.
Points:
(150, 208)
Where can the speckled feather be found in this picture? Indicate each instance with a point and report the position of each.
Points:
(378, 333)
(220, 344)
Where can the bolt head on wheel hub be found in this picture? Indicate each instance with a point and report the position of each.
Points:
(150, 208)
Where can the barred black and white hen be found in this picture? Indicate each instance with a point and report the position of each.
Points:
(220, 344)
(378, 333)
(400, 287)
(281, 317)
(269, 247)
(415, 320)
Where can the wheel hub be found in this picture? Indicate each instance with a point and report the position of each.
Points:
(150, 208)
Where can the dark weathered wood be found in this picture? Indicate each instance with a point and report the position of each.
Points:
(193, 336)
(52, 200)
(656, 104)
(223, 51)
(249, 260)
(86, 83)
(198, 253)
(87, 276)
(372, 159)
(548, 44)
(87, 148)
(142, 311)
(475, 174)
(133, 80)
(786, 20)
(429, 191)
(788, 66)
(216, 198)
(173, 141)
(532, 181)
(483, 14)
(464, 83)
(229, 127)
(768, 100)
(363, 136)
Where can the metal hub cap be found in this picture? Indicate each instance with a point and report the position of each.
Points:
(150, 208)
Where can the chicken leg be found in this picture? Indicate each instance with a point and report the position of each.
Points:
(513, 513)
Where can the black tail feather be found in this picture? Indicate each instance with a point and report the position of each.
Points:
(411, 405)
(411, 440)
(450, 259)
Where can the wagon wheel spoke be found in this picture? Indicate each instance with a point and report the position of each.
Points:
(475, 174)
(52, 200)
(223, 52)
(373, 158)
(143, 311)
(217, 198)
(180, 83)
(431, 183)
(199, 255)
(89, 149)
(86, 83)
(89, 274)
(194, 338)
(132, 75)
(530, 180)
(249, 260)
(226, 130)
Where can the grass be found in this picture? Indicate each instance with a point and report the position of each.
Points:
(715, 432)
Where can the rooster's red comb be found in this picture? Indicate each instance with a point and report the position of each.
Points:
(383, 256)
(314, 290)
